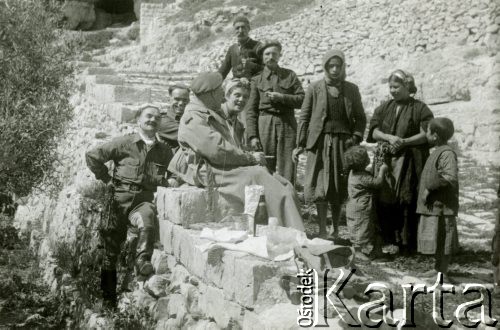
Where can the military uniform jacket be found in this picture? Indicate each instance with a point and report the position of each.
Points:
(134, 164)
(283, 81)
(235, 53)
(206, 139)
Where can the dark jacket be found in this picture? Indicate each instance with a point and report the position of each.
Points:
(287, 84)
(438, 191)
(133, 163)
(314, 112)
(233, 60)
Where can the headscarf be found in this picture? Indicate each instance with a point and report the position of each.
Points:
(327, 57)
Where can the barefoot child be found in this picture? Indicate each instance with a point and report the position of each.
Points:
(437, 201)
(359, 209)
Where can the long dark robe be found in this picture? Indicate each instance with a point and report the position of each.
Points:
(396, 201)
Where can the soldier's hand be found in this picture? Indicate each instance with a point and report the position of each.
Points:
(255, 144)
(295, 154)
(260, 158)
(274, 96)
(173, 183)
(384, 168)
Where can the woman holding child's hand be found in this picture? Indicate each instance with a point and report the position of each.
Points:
(400, 123)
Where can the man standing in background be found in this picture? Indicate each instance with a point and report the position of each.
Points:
(271, 123)
(242, 56)
(169, 125)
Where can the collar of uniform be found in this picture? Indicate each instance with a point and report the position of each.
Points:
(244, 43)
(227, 116)
(140, 137)
(267, 72)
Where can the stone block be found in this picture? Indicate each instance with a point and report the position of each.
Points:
(277, 317)
(160, 262)
(131, 94)
(99, 70)
(183, 205)
(104, 79)
(161, 308)
(176, 306)
(156, 285)
(120, 113)
(224, 312)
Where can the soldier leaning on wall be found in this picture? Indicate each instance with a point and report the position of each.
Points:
(141, 163)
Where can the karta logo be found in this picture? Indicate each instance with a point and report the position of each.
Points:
(375, 312)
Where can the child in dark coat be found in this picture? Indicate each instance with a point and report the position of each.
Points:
(360, 213)
(437, 201)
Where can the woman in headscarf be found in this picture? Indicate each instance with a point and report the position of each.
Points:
(332, 119)
(399, 126)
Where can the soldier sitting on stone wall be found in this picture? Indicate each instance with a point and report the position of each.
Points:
(169, 125)
(211, 154)
(140, 162)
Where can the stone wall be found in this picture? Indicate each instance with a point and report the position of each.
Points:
(152, 19)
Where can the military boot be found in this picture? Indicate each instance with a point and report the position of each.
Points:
(108, 287)
(143, 266)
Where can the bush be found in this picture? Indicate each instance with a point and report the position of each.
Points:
(34, 89)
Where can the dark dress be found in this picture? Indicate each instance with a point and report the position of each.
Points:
(398, 194)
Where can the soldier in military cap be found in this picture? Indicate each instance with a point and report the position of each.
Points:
(140, 165)
(271, 123)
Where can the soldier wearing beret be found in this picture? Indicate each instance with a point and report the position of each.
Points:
(140, 165)
(242, 56)
(271, 123)
(211, 154)
(169, 125)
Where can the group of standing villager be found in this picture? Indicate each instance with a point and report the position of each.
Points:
(202, 141)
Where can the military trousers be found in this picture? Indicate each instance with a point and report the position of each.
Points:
(277, 134)
(135, 212)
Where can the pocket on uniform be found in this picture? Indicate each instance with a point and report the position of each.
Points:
(286, 87)
(159, 169)
(128, 168)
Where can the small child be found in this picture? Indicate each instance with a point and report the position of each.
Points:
(360, 213)
(437, 201)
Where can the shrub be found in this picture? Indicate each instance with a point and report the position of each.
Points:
(34, 88)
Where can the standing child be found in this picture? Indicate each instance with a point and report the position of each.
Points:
(360, 213)
(437, 201)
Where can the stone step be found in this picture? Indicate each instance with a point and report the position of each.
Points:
(107, 93)
(104, 79)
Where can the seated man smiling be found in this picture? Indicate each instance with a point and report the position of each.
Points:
(211, 153)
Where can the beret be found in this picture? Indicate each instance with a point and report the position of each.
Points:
(206, 82)
(267, 44)
(241, 18)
